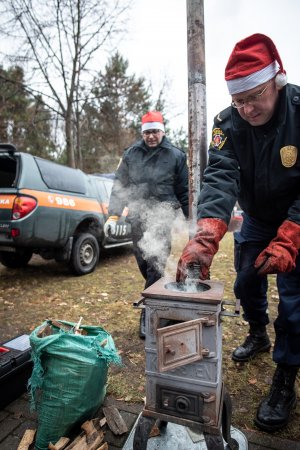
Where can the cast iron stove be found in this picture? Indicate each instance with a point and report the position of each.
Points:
(183, 348)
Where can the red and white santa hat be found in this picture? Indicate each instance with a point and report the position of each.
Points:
(153, 120)
(253, 61)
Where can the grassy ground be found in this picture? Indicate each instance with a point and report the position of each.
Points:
(46, 290)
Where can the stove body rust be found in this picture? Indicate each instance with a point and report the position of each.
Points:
(184, 353)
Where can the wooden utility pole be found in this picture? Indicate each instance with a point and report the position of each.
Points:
(196, 101)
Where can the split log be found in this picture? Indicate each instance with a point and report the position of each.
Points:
(103, 447)
(103, 343)
(44, 331)
(90, 431)
(74, 442)
(83, 445)
(114, 420)
(102, 422)
(91, 440)
(63, 326)
(60, 444)
(27, 439)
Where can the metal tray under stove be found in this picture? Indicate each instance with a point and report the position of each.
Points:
(179, 437)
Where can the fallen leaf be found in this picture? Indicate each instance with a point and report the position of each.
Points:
(155, 431)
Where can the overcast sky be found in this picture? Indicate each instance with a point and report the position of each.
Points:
(156, 44)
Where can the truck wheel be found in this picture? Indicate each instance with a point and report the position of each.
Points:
(85, 254)
(15, 260)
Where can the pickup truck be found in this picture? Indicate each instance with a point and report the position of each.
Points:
(53, 210)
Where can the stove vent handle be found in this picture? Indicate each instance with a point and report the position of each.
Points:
(139, 303)
(237, 307)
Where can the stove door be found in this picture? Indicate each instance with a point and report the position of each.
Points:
(180, 344)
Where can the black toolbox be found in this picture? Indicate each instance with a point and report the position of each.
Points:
(15, 368)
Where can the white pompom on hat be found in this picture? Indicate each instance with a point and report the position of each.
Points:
(153, 120)
(253, 61)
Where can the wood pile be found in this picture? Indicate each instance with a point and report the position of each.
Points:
(92, 436)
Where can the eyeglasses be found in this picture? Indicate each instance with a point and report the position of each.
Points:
(148, 132)
(255, 98)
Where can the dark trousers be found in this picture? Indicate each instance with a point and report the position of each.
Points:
(151, 251)
(251, 289)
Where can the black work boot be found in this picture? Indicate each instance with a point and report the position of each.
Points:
(257, 341)
(274, 411)
(142, 331)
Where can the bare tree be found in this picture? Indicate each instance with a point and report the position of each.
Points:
(58, 41)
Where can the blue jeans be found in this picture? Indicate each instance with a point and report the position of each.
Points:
(251, 289)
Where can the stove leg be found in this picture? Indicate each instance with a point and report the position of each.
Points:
(213, 441)
(161, 425)
(226, 422)
(142, 432)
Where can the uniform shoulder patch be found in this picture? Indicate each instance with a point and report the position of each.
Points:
(288, 155)
(218, 138)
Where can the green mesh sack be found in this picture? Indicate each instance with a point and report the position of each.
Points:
(68, 381)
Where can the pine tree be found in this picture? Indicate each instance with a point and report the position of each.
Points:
(24, 120)
(112, 116)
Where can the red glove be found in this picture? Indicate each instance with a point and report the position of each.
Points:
(201, 249)
(281, 253)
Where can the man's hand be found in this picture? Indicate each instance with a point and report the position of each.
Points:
(192, 258)
(110, 226)
(201, 249)
(281, 253)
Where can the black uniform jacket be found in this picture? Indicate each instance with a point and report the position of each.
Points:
(258, 166)
(146, 174)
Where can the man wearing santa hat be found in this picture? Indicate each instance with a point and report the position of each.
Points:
(254, 158)
(152, 181)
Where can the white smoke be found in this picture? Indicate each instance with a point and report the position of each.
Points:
(159, 220)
